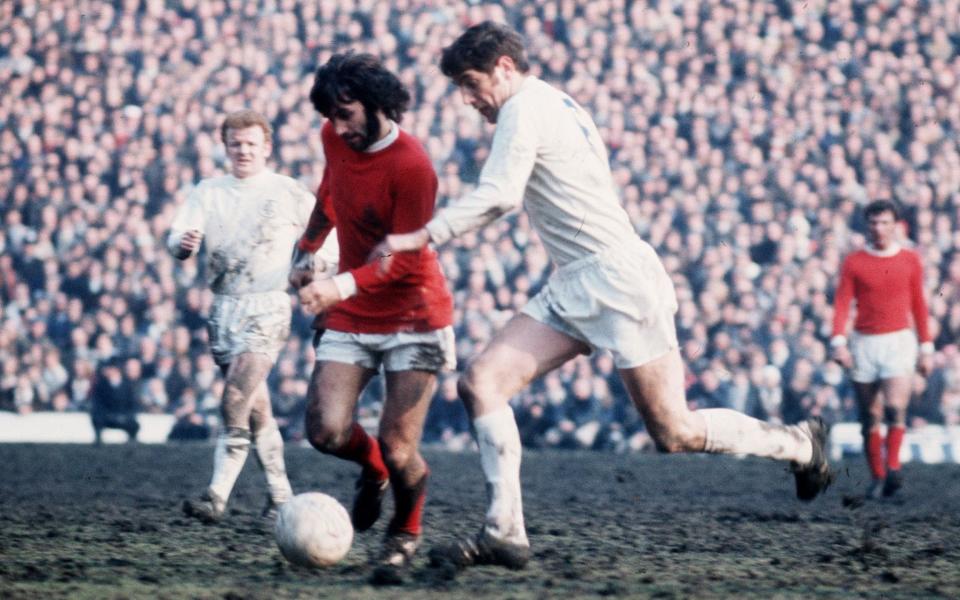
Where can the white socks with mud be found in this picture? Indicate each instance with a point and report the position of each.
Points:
(732, 432)
(269, 445)
(499, 443)
(231, 451)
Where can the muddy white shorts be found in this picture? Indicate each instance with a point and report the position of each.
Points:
(432, 351)
(258, 323)
(883, 355)
(621, 300)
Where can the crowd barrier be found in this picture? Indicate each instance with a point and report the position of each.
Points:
(75, 428)
(929, 444)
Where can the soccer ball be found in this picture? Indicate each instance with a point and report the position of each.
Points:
(313, 530)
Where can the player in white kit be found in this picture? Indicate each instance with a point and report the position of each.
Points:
(249, 221)
(609, 291)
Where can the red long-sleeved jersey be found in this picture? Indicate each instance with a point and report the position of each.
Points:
(888, 291)
(369, 195)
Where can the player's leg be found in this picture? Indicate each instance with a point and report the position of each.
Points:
(132, 428)
(896, 395)
(97, 420)
(519, 353)
(243, 375)
(656, 388)
(870, 409)
(401, 426)
(269, 446)
(332, 398)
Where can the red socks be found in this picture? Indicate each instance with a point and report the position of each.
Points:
(363, 449)
(874, 448)
(894, 441)
(408, 503)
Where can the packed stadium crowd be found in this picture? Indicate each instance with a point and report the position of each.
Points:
(745, 136)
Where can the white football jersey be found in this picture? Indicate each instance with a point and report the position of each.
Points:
(547, 154)
(250, 227)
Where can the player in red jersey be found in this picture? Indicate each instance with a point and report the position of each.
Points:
(378, 180)
(886, 280)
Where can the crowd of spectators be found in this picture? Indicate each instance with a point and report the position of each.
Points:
(745, 137)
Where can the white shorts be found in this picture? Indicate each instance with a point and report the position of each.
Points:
(621, 300)
(258, 323)
(883, 355)
(432, 351)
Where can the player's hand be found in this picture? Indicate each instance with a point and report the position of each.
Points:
(189, 243)
(318, 296)
(841, 354)
(301, 269)
(925, 364)
(384, 252)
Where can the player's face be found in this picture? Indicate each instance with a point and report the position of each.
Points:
(248, 150)
(350, 122)
(881, 229)
(486, 92)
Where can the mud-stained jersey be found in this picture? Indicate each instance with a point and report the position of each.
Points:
(250, 226)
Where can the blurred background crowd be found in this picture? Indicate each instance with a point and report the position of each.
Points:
(745, 137)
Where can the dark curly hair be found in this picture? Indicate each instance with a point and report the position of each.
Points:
(479, 47)
(878, 207)
(353, 77)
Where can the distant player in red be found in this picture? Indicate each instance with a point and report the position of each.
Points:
(378, 180)
(886, 281)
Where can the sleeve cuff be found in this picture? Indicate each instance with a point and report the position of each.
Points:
(307, 245)
(439, 230)
(838, 340)
(346, 285)
(927, 348)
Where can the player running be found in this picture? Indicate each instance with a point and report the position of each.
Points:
(609, 291)
(250, 221)
(886, 280)
(377, 181)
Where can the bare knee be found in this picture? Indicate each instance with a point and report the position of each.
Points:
(480, 389)
(397, 454)
(325, 436)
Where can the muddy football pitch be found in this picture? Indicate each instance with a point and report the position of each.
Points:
(105, 522)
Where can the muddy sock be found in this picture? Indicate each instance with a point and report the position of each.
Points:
(732, 432)
(363, 449)
(269, 445)
(499, 442)
(230, 453)
(894, 441)
(873, 445)
(408, 502)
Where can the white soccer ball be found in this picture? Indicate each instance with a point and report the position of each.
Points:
(313, 530)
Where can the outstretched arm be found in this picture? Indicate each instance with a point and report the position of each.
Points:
(500, 189)
(318, 228)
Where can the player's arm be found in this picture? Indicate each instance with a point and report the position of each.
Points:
(186, 231)
(841, 312)
(413, 192)
(499, 190)
(918, 307)
(319, 226)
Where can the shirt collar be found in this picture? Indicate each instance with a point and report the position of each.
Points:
(386, 140)
(891, 250)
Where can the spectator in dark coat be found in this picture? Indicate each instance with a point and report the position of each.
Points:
(112, 406)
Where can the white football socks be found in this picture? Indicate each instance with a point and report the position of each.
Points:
(230, 453)
(732, 432)
(499, 442)
(269, 445)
